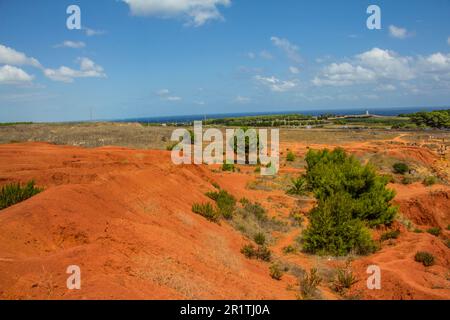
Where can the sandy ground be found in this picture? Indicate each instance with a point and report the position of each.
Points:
(124, 216)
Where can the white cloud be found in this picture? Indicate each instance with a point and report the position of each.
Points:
(71, 44)
(344, 74)
(241, 99)
(265, 55)
(88, 69)
(165, 94)
(386, 87)
(275, 84)
(290, 49)
(91, 32)
(397, 32)
(12, 75)
(16, 58)
(197, 12)
(294, 70)
(369, 66)
(387, 64)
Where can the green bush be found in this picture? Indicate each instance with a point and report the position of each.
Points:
(260, 238)
(288, 249)
(417, 230)
(309, 283)
(390, 235)
(447, 243)
(206, 210)
(298, 187)
(225, 202)
(429, 181)
(426, 258)
(249, 251)
(261, 253)
(11, 194)
(400, 168)
(290, 156)
(350, 198)
(275, 272)
(436, 231)
(407, 180)
(228, 167)
(344, 279)
(333, 230)
(332, 172)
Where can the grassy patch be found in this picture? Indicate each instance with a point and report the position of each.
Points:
(400, 168)
(309, 283)
(206, 210)
(275, 271)
(436, 231)
(11, 194)
(390, 235)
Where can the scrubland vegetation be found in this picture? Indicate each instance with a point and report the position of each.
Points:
(11, 194)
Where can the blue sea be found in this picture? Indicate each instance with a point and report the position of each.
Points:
(315, 112)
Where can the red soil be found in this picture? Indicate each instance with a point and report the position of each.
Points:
(124, 216)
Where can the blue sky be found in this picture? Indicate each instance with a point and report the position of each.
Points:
(139, 58)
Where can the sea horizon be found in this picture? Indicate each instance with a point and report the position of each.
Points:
(382, 111)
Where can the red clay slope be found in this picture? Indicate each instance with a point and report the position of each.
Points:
(125, 218)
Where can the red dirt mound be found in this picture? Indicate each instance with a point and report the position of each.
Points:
(125, 218)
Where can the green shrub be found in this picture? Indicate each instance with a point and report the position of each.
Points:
(407, 180)
(249, 251)
(263, 253)
(256, 210)
(298, 187)
(275, 272)
(290, 156)
(448, 227)
(390, 235)
(206, 210)
(400, 168)
(429, 181)
(332, 172)
(260, 238)
(11, 194)
(225, 202)
(350, 196)
(436, 231)
(426, 258)
(309, 283)
(288, 249)
(228, 167)
(344, 279)
(447, 243)
(417, 230)
(333, 230)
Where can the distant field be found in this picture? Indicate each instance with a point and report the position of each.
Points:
(135, 135)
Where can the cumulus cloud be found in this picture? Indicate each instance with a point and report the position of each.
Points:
(16, 58)
(165, 94)
(369, 66)
(13, 75)
(197, 12)
(397, 32)
(88, 69)
(291, 50)
(294, 70)
(275, 84)
(71, 44)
